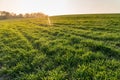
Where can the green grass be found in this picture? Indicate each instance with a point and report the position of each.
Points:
(84, 47)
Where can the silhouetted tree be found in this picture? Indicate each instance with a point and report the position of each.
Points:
(8, 15)
(20, 16)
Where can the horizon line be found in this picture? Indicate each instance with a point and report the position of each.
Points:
(66, 13)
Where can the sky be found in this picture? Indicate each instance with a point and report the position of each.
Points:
(61, 7)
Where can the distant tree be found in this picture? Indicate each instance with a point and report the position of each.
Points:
(4, 14)
(26, 15)
(20, 16)
(13, 15)
(8, 15)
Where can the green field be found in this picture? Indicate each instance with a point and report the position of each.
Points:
(74, 47)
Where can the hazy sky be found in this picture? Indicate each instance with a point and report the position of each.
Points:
(59, 7)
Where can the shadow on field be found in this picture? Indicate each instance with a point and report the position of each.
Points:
(99, 38)
(110, 53)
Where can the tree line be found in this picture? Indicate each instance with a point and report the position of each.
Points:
(9, 15)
